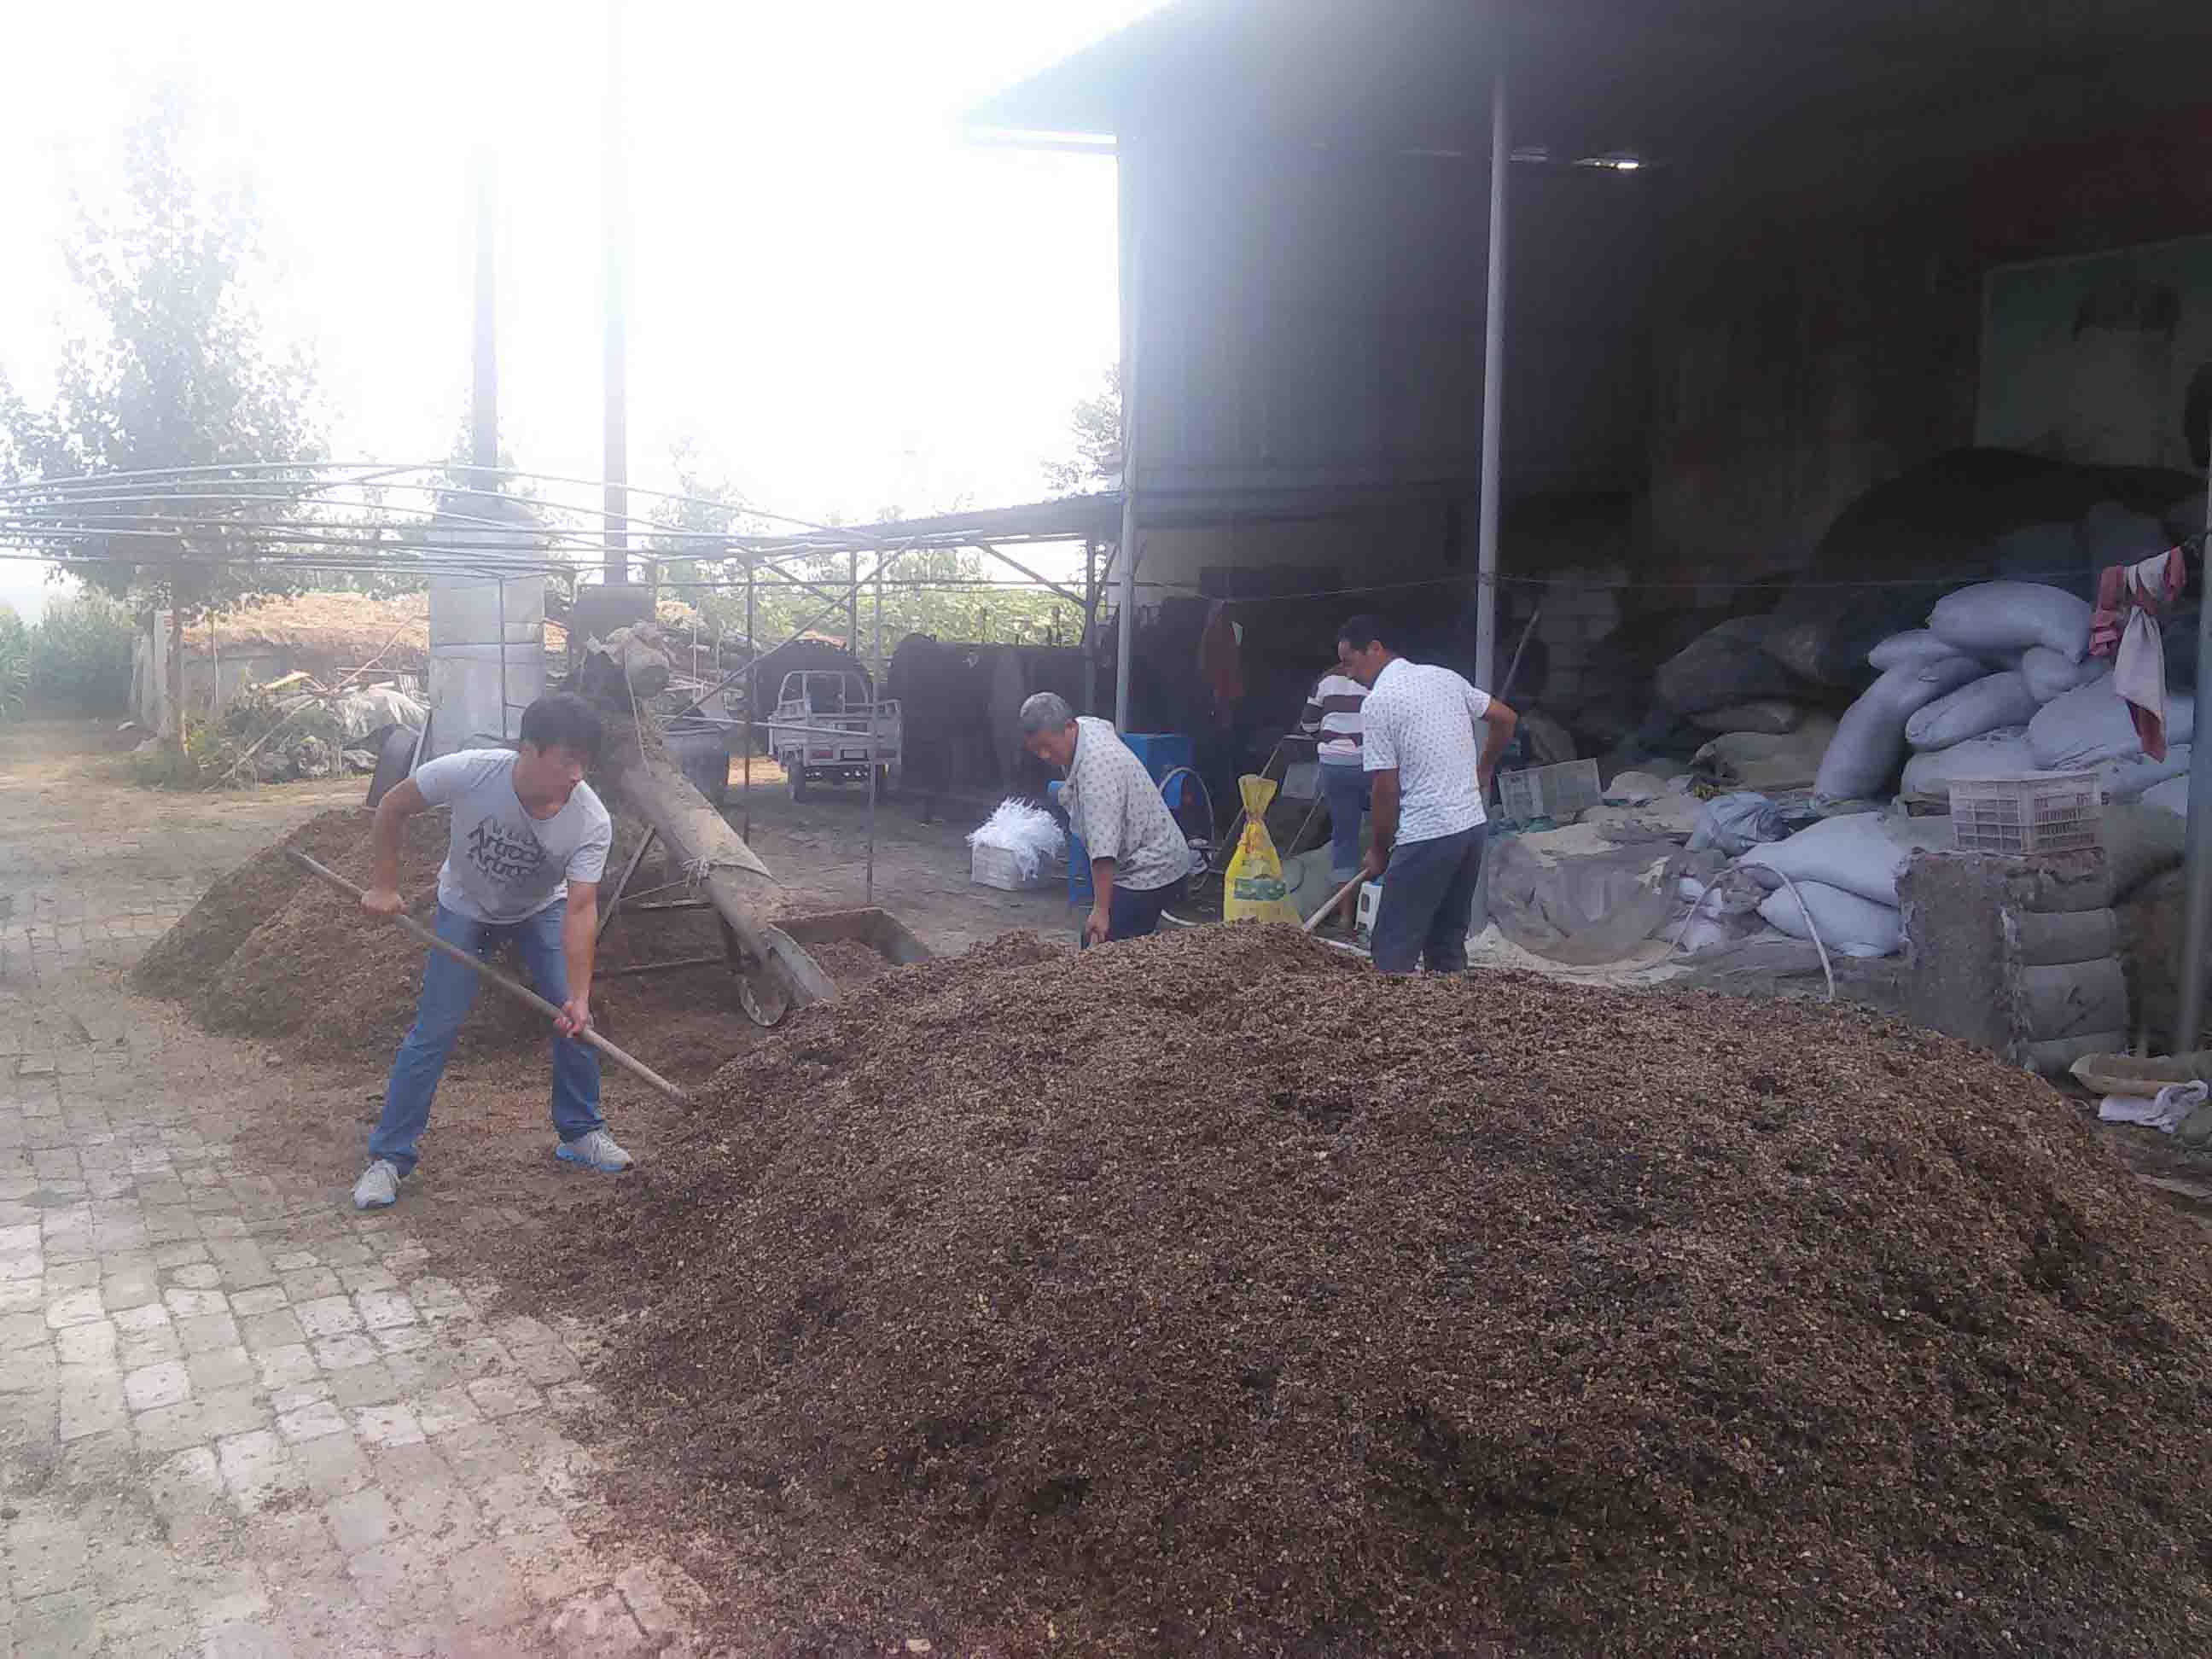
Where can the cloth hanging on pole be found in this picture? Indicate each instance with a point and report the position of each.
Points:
(2129, 597)
(1221, 662)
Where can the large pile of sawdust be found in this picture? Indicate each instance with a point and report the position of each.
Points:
(1209, 1294)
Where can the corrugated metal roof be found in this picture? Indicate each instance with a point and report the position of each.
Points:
(1671, 77)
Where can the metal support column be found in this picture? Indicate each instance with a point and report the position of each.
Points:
(1493, 368)
(1090, 625)
(615, 202)
(2196, 867)
(875, 732)
(752, 693)
(483, 404)
(1125, 642)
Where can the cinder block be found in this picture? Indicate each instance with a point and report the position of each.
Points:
(2015, 954)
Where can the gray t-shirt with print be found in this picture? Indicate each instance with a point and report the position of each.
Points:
(501, 864)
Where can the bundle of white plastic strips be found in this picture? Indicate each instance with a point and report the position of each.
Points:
(1025, 831)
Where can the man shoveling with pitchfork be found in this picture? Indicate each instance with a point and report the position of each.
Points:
(529, 844)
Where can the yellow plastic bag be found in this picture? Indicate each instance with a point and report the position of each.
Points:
(1255, 891)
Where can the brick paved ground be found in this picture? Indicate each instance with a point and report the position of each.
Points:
(235, 1418)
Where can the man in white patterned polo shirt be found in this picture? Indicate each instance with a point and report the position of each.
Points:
(1139, 856)
(1430, 774)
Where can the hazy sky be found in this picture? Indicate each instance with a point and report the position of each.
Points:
(841, 302)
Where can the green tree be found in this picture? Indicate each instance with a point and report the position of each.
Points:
(14, 664)
(181, 377)
(1095, 427)
(80, 654)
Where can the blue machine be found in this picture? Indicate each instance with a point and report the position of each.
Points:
(1161, 752)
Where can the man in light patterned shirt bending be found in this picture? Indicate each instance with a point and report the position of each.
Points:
(1430, 775)
(1139, 857)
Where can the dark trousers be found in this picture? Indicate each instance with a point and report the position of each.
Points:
(1132, 912)
(1428, 900)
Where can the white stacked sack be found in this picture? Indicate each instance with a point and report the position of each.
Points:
(1999, 684)
(1846, 868)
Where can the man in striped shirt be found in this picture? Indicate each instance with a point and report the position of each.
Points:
(1332, 720)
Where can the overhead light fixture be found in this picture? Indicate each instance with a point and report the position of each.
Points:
(1617, 161)
(1532, 152)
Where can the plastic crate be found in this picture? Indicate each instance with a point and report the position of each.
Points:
(2060, 814)
(994, 866)
(1548, 791)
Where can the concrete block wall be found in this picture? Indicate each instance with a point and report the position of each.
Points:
(2019, 955)
(1580, 606)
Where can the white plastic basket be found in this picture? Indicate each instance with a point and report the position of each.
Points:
(997, 866)
(2062, 814)
(1548, 792)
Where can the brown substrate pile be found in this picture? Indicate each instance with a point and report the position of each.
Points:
(308, 964)
(1207, 1294)
(181, 964)
(271, 952)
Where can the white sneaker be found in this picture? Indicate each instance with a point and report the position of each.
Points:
(596, 1150)
(378, 1186)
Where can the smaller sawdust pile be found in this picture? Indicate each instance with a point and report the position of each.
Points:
(271, 952)
(1208, 1294)
(183, 964)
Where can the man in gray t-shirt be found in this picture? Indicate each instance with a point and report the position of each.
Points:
(527, 846)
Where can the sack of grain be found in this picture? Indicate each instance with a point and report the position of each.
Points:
(2050, 675)
(2170, 796)
(2002, 617)
(2091, 724)
(1978, 706)
(1849, 925)
(1724, 664)
(1859, 853)
(2002, 753)
(1753, 760)
(1869, 740)
(1914, 649)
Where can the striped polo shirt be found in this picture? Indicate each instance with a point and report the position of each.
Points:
(1332, 716)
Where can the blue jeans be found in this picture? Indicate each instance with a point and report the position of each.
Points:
(1348, 794)
(448, 991)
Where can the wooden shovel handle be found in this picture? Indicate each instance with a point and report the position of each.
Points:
(1342, 894)
(513, 987)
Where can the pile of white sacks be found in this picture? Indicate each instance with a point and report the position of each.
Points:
(1999, 684)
